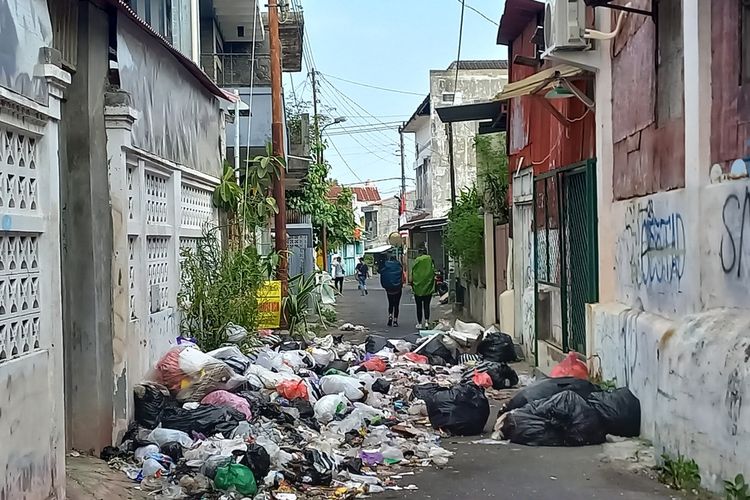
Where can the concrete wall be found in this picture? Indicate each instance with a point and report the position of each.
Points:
(473, 85)
(673, 319)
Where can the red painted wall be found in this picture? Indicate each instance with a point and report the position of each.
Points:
(535, 137)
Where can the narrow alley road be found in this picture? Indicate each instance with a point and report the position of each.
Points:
(505, 470)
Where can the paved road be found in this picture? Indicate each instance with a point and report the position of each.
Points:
(499, 471)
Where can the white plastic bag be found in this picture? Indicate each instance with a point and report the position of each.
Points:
(329, 406)
(353, 389)
(357, 419)
(144, 451)
(161, 436)
(322, 357)
(473, 329)
(267, 378)
(235, 333)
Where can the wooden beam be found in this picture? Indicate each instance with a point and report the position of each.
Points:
(527, 61)
(549, 107)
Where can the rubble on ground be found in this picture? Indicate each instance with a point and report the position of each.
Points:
(324, 419)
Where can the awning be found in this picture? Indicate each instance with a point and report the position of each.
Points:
(536, 83)
(380, 249)
(491, 115)
(425, 224)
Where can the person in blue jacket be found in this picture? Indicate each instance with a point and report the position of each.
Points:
(392, 280)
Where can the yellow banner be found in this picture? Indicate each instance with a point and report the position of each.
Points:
(269, 305)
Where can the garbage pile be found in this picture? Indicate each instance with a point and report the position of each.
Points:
(568, 410)
(328, 419)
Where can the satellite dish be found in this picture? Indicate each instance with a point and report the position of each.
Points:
(395, 239)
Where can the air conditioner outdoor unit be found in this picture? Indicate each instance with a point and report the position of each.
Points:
(565, 25)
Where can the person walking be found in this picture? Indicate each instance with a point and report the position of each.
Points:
(338, 275)
(392, 279)
(423, 285)
(363, 272)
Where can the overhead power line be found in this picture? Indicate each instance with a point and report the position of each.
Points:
(460, 38)
(384, 89)
(480, 13)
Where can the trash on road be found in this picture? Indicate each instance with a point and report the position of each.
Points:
(571, 366)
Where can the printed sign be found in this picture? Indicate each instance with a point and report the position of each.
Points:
(269, 305)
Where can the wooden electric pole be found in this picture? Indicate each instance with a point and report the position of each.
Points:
(319, 159)
(277, 134)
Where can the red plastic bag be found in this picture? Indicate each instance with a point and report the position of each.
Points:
(482, 379)
(416, 358)
(375, 365)
(571, 366)
(292, 389)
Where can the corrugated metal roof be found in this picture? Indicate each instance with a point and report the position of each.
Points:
(361, 193)
(479, 64)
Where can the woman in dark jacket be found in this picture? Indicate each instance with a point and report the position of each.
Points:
(392, 279)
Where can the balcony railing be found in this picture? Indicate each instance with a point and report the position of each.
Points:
(295, 217)
(235, 69)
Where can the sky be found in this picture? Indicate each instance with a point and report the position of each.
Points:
(390, 44)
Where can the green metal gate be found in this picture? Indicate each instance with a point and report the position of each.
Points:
(565, 253)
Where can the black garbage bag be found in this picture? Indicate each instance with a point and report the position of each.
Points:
(110, 452)
(498, 347)
(565, 419)
(382, 386)
(435, 350)
(352, 464)
(619, 410)
(289, 344)
(337, 364)
(304, 407)
(425, 391)
(206, 419)
(548, 387)
(375, 343)
(257, 459)
(502, 375)
(256, 399)
(462, 409)
(150, 400)
(173, 450)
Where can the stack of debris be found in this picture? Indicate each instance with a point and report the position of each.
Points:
(325, 419)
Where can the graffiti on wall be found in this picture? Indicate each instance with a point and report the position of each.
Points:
(735, 216)
(652, 245)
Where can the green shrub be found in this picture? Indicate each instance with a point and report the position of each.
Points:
(679, 473)
(218, 287)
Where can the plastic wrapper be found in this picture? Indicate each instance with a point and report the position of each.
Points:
(329, 406)
(571, 366)
(498, 347)
(482, 379)
(565, 419)
(190, 374)
(233, 357)
(620, 412)
(292, 389)
(375, 364)
(268, 379)
(548, 387)
(351, 387)
(161, 436)
(416, 358)
(224, 398)
(462, 410)
(236, 477)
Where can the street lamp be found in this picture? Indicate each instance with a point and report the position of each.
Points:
(339, 119)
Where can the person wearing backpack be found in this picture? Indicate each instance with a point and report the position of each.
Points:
(392, 280)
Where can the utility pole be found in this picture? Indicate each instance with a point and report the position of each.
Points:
(403, 169)
(277, 134)
(319, 157)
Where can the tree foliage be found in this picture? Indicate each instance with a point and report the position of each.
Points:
(464, 234)
(336, 214)
(492, 174)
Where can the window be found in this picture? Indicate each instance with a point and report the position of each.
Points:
(669, 61)
(240, 32)
(744, 42)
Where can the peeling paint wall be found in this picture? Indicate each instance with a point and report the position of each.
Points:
(674, 265)
(473, 85)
